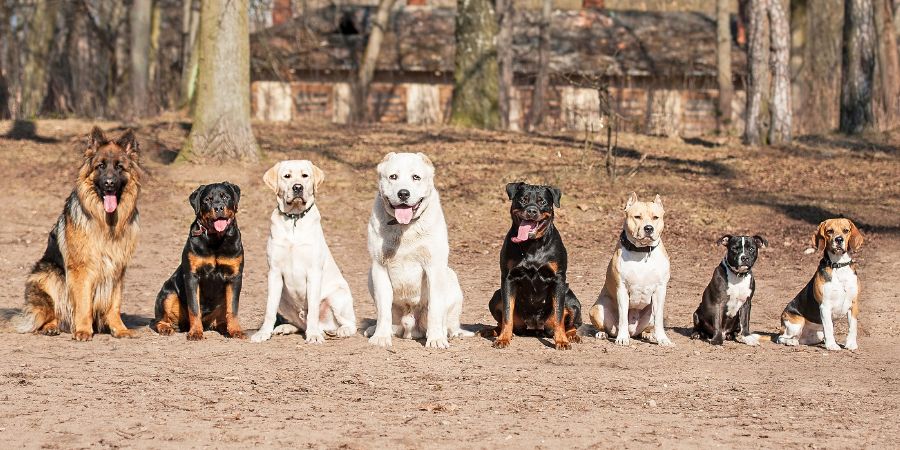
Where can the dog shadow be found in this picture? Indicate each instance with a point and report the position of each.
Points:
(136, 321)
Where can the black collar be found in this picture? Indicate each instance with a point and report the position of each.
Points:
(200, 231)
(298, 216)
(731, 269)
(634, 248)
(826, 262)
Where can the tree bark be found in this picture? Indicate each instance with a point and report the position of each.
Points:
(155, 28)
(758, 67)
(818, 84)
(723, 65)
(780, 123)
(38, 40)
(189, 51)
(359, 108)
(476, 76)
(887, 89)
(505, 11)
(221, 118)
(857, 67)
(141, 12)
(542, 81)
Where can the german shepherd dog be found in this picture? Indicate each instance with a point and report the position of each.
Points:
(77, 285)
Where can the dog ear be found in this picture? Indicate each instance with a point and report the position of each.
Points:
(318, 177)
(557, 195)
(194, 199)
(856, 238)
(632, 199)
(236, 191)
(819, 239)
(271, 177)
(129, 143)
(724, 240)
(95, 140)
(760, 241)
(426, 159)
(658, 200)
(512, 188)
(387, 157)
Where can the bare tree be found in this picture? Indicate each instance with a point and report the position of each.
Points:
(887, 87)
(780, 123)
(542, 81)
(221, 116)
(475, 75)
(39, 37)
(723, 64)
(190, 27)
(758, 66)
(360, 100)
(141, 12)
(817, 27)
(505, 12)
(858, 67)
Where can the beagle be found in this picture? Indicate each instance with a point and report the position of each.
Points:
(832, 292)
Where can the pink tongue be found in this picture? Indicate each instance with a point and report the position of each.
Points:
(525, 228)
(220, 225)
(110, 203)
(403, 214)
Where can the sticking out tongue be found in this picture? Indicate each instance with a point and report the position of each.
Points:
(403, 214)
(110, 203)
(526, 227)
(220, 225)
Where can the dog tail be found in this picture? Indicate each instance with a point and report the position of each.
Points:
(20, 321)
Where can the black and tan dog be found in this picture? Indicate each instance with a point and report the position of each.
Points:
(533, 294)
(77, 285)
(205, 289)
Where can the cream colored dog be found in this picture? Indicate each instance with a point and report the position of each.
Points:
(635, 290)
(306, 289)
(414, 288)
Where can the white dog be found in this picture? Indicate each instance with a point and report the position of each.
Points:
(306, 288)
(415, 290)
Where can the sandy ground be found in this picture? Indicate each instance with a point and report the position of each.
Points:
(166, 392)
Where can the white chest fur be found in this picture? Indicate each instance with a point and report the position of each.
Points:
(738, 292)
(643, 274)
(838, 293)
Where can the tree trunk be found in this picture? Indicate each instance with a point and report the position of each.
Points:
(360, 100)
(723, 65)
(505, 11)
(857, 67)
(38, 40)
(475, 76)
(153, 70)
(780, 123)
(189, 51)
(818, 84)
(758, 68)
(887, 89)
(221, 118)
(542, 81)
(141, 12)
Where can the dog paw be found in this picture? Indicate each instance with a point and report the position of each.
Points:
(49, 331)
(791, 342)
(369, 331)
(123, 333)
(236, 334)
(832, 346)
(195, 335)
(623, 340)
(346, 331)
(440, 342)
(315, 337)
(563, 345)
(82, 336)
(460, 333)
(664, 341)
(601, 335)
(501, 343)
(260, 336)
(752, 340)
(381, 341)
(164, 329)
(575, 338)
(851, 345)
(488, 332)
(285, 328)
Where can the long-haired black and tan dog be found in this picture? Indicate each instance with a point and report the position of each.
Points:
(205, 289)
(77, 285)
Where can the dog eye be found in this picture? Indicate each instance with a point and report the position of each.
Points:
(101, 166)
(637, 217)
(393, 177)
(829, 232)
(305, 175)
(846, 231)
(119, 166)
(287, 175)
(655, 217)
(416, 178)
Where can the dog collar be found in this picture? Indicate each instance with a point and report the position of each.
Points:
(731, 269)
(298, 216)
(634, 248)
(200, 231)
(825, 262)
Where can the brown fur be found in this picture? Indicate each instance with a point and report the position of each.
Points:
(77, 285)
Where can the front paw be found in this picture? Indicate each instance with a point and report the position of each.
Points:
(195, 335)
(123, 333)
(601, 335)
(82, 336)
(851, 345)
(563, 345)
(315, 337)
(49, 331)
(664, 341)
(237, 334)
(500, 343)
(381, 341)
(460, 333)
(261, 336)
(623, 340)
(346, 331)
(438, 342)
(832, 346)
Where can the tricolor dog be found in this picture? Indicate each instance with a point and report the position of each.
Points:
(832, 292)
(306, 289)
(416, 293)
(634, 293)
(724, 311)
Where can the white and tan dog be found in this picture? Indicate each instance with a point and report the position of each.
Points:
(636, 279)
(416, 293)
(306, 289)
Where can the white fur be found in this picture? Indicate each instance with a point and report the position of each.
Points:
(643, 280)
(414, 289)
(738, 292)
(306, 286)
(837, 298)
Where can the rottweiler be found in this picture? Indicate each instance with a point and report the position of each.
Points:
(204, 291)
(534, 295)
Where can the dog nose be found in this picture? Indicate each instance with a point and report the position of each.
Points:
(745, 258)
(839, 239)
(403, 194)
(297, 188)
(648, 229)
(109, 184)
(531, 212)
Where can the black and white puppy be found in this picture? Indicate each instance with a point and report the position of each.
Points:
(724, 312)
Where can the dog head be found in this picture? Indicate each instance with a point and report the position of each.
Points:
(644, 220)
(741, 251)
(295, 184)
(837, 236)
(216, 205)
(531, 209)
(405, 182)
(110, 165)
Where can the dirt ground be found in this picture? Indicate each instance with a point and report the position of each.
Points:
(166, 392)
